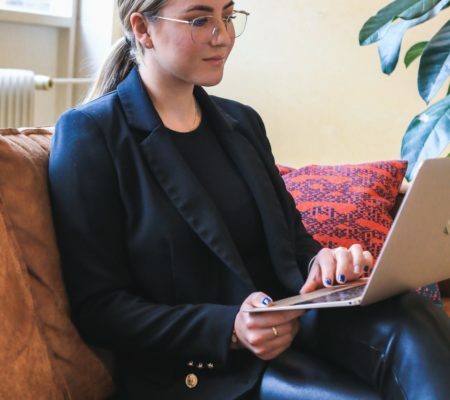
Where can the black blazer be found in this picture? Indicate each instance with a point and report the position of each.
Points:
(150, 269)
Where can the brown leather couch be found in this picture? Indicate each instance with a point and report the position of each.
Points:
(41, 353)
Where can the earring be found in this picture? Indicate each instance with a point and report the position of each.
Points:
(148, 45)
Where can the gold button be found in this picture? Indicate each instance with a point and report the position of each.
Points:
(190, 363)
(191, 381)
(200, 365)
(210, 365)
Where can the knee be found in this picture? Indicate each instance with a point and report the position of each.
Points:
(413, 309)
(414, 317)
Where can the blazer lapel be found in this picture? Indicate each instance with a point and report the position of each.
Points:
(175, 177)
(255, 174)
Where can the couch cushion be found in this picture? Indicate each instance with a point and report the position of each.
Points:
(346, 204)
(23, 189)
(26, 371)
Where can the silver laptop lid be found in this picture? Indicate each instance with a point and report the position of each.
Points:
(417, 249)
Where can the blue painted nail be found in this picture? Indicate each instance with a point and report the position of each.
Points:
(366, 268)
(266, 301)
(328, 281)
(342, 278)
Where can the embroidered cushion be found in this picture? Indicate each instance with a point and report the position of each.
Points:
(346, 204)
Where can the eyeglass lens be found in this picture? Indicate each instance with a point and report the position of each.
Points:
(204, 28)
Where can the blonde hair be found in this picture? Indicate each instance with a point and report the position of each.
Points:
(126, 52)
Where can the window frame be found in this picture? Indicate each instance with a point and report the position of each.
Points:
(36, 18)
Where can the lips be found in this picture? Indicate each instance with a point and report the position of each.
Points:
(216, 59)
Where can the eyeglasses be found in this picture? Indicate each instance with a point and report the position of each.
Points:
(203, 29)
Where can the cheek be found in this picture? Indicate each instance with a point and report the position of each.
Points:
(178, 54)
(181, 42)
(184, 53)
(230, 48)
(232, 44)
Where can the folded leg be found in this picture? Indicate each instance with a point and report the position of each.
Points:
(399, 347)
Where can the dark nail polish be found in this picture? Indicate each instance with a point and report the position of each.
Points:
(342, 278)
(366, 268)
(328, 281)
(266, 301)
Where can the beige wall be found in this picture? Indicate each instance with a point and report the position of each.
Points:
(323, 97)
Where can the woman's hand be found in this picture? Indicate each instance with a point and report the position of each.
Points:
(339, 266)
(265, 334)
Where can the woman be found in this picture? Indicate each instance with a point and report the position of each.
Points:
(173, 221)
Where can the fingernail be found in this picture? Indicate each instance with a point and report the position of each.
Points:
(328, 281)
(366, 268)
(342, 278)
(357, 269)
(266, 301)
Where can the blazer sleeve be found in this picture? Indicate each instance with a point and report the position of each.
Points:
(306, 246)
(89, 222)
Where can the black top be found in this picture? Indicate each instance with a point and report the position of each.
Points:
(218, 175)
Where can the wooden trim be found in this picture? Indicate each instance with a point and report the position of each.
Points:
(66, 64)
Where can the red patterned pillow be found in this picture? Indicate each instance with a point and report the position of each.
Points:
(284, 170)
(346, 204)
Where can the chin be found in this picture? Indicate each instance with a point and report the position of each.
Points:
(208, 80)
(209, 84)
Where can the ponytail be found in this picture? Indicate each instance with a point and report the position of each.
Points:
(116, 67)
(126, 52)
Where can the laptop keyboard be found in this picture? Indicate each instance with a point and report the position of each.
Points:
(341, 295)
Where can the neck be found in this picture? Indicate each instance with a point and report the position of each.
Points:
(173, 100)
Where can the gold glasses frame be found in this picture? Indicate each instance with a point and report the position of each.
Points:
(199, 23)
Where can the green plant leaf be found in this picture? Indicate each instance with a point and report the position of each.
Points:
(427, 135)
(414, 52)
(434, 66)
(419, 9)
(389, 46)
(375, 27)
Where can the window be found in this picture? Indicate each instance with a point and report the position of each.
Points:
(59, 8)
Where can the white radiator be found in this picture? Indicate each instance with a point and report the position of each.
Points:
(16, 98)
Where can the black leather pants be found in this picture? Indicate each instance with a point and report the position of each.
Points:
(396, 349)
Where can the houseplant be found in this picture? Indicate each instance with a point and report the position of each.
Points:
(428, 134)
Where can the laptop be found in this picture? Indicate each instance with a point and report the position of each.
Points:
(415, 253)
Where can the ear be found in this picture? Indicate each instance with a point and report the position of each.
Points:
(139, 24)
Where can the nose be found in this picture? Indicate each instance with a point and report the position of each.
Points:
(220, 35)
